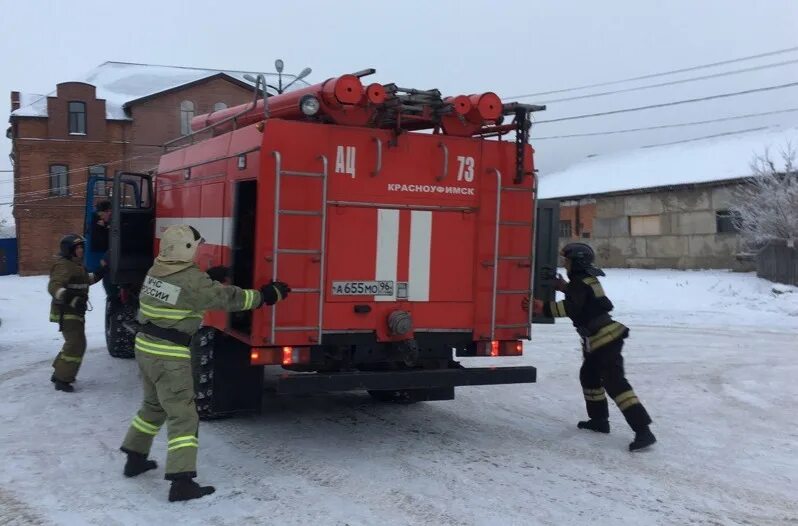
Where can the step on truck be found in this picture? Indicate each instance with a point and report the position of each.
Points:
(403, 220)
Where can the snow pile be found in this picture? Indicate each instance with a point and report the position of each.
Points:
(699, 162)
(700, 298)
(7, 224)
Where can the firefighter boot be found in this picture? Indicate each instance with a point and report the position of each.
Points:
(187, 489)
(643, 439)
(599, 426)
(62, 386)
(137, 464)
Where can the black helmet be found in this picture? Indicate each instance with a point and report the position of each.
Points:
(579, 252)
(582, 258)
(69, 243)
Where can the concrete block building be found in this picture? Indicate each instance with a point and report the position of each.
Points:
(663, 207)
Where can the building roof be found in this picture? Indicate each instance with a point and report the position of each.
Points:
(121, 83)
(695, 162)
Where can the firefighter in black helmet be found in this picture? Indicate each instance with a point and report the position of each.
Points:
(602, 370)
(69, 286)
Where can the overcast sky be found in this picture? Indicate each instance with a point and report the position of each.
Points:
(464, 46)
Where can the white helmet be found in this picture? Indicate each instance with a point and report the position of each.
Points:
(179, 243)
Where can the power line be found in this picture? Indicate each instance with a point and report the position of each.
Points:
(673, 82)
(725, 134)
(78, 196)
(81, 168)
(674, 103)
(662, 74)
(664, 126)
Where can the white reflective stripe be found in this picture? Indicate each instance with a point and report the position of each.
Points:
(420, 247)
(387, 249)
(215, 230)
(59, 293)
(249, 299)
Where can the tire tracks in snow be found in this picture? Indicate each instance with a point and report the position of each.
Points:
(22, 371)
(14, 512)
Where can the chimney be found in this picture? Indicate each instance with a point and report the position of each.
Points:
(14, 100)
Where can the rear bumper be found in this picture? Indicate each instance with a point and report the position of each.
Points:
(304, 383)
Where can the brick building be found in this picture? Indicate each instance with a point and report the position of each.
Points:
(116, 118)
(663, 207)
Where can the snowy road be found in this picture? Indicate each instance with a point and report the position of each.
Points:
(722, 396)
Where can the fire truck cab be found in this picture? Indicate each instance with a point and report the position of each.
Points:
(403, 221)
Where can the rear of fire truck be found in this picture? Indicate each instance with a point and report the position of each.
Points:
(402, 220)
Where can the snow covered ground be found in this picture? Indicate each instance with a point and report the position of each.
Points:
(713, 355)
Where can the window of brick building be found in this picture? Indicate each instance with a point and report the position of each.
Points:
(645, 225)
(727, 221)
(186, 114)
(565, 228)
(100, 188)
(77, 118)
(219, 106)
(59, 180)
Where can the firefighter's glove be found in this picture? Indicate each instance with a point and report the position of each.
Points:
(219, 273)
(100, 273)
(560, 283)
(274, 291)
(537, 306)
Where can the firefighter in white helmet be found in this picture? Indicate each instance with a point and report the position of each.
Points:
(173, 300)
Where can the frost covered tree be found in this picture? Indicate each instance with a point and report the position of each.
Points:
(767, 204)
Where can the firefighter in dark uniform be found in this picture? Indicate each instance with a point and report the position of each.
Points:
(602, 370)
(173, 301)
(69, 286)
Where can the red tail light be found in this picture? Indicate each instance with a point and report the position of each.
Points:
(500, 348)
(279, 355)
(295, 355)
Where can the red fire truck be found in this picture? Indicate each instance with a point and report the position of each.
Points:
(403, 220)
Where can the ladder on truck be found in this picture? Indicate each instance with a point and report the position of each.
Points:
(319, 252)
(522, 259)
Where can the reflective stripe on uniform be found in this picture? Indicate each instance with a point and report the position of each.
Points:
(166, 313)
(144, 426)
(249, 299)
(557, 309)
(626, 400)
(606, 334)
(74, 317)
(67, 358)
(161, 349)
(594, 284)
(595, 395)
(181, 442)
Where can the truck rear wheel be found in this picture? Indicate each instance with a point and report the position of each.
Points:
(411, 396)
(118, 339)
(224, 381)
(396, 397)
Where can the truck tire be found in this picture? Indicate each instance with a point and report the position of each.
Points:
(412, 396)
(118, 339)
(224, 381)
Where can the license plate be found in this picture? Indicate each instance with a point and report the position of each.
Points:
(362, 288)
